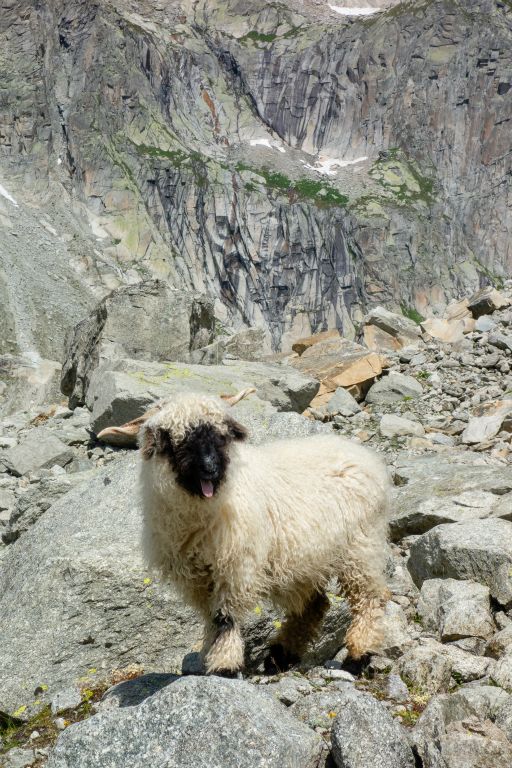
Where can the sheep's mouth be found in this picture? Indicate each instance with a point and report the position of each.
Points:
(207, 487)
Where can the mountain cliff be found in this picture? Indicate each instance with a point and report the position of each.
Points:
(297, 164)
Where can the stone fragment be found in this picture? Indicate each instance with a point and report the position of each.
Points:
(446, 331)
(484, 324)
(395, 426)
(37, 451)
(342, 403)
(500, 644)
(18, 758)
(194, 721)
(364, 735)
(393, 388)
(68, 698)
(477, 550)
(290, 690)
(387, 330)
(429, 665)
(486, 301)
(502, 671)
(455, 609)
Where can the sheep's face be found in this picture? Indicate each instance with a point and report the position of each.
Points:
(200, 459)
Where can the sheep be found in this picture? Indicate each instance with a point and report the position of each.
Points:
(232, 523)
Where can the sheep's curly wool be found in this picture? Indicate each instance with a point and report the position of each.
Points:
(289, 516)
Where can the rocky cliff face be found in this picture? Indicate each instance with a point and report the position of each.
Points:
(298, 165)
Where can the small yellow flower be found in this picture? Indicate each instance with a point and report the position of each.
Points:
(257, 610)
(277, 624)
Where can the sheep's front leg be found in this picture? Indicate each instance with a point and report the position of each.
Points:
(367, 594)
(224, 647)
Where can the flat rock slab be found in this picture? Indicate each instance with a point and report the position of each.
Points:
(37, 451)
(202, 722)
(476, 550)
(456, 609)
(432, 490)
(117, 396)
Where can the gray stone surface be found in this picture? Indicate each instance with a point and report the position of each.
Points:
(342, 403)
(477, 550)
(146, 321)
(470, 705)
(364, 735)
(398, 326)
(37, 451)
(396, 426)
(116, 397)
(68, 698)
(456, 609)
(394, 388)
(204, 722)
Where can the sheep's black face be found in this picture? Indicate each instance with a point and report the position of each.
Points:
(200, 461)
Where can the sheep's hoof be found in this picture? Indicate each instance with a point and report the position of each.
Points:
(232, 674)
(279, 659)
(357, 666)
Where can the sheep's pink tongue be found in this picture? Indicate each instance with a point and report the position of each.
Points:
(207, 488)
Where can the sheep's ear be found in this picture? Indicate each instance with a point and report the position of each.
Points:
(234, 399)
(235, 430)
(148, 442)
(155, 440)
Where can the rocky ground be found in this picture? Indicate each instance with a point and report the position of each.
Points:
(80, 614)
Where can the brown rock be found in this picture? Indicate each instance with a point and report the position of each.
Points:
(301, 345)
(486, 301)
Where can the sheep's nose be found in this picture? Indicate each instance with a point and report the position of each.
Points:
(210, 463)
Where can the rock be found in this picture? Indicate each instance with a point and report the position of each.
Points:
(7, 499)
(19, 758)
(426, 666)
(432, 490)
(456, 609)
(205, 722)
(131, 693)
(393, 388)
(396, 689)
(484, 324)
(500, 644)
(289, 690)
(301, 345)
(501, 341)
(147, 321)
(467, 705)
(116, 397)
(34, 500)
(502, 671)
(69, 698)
(395, 426)
(364, 735)
(383, 329)
(486, 301)
(397, 635)
(477, 550)
(490, 419)
(318, 709)
(338, 362)
(446, 331)
(342, 403)
(78, 576)
(36, 451)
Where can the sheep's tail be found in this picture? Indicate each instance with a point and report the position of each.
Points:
(126, 435)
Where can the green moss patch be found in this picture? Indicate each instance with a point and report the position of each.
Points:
(319, 192)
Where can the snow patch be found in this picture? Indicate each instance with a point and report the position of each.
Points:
(266, 143)
(7, 196)
(326, 165)
(344, 11)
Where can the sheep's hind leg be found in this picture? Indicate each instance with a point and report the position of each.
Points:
(224, 647)
(367, 595)
(297, 631)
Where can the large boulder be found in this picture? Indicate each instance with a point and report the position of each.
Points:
(462, 722)
(37, 451)
(478, 550)
(201, 722)
(119, 395)
(364, 735)
(394, 388)
(146, 321)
